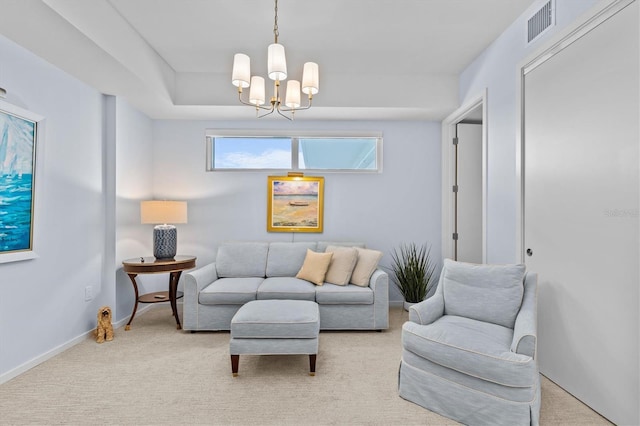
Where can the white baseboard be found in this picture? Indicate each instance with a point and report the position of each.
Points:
(395, 303)
(5, 377)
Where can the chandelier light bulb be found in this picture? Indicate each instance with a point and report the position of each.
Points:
(256, 93)
(241, 70)
(292, 99)
(310, 79)
(276, 62)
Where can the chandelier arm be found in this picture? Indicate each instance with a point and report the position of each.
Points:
(243, 102)
(282, 114)
(287, 109)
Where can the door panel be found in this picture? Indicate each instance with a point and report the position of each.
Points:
(469, 196)
(581, 172)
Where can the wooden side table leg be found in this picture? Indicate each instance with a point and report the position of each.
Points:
(132, 277)
(174, 277)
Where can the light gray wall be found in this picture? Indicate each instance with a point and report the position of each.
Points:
(401, 204)
(42, 305)
(496, 70)
(134, 174)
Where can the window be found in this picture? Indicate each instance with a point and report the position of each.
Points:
(229, 151)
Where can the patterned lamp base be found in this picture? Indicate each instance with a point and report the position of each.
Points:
(165, 239)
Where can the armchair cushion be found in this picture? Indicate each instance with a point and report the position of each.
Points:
(490, 293)
(471, 347)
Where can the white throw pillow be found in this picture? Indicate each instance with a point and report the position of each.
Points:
(342, 263)
(367, 263)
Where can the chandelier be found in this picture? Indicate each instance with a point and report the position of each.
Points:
(277, 71)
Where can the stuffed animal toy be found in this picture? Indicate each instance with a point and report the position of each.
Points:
(104, 330)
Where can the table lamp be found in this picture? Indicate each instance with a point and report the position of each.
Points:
(161, 213)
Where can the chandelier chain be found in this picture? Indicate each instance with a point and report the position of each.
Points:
(276, 33)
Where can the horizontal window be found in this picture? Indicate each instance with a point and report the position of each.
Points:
(326, 153)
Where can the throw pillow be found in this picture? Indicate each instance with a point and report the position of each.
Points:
(342, 263)
(367, 263)
(315, 267)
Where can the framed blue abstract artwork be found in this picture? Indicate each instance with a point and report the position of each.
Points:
(19, 131)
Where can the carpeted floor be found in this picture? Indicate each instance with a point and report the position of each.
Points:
(155, 374)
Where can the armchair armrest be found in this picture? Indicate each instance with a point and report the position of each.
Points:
(193, 283)
(428, 310)
(525, 328)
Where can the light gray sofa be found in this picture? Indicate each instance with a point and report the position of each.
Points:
(469, 351)
(245, 271)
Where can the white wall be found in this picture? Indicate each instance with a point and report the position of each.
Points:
(87, 217)
(401, 204)
(496, 70)
(134, 173)
(42, 305)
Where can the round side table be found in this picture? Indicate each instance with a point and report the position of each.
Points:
(151, 265)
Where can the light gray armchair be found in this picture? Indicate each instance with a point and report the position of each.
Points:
(469, 351)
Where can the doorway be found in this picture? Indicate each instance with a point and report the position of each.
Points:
(464, 160)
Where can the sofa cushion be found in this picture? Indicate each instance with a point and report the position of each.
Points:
(242, 259)
(331, 294)
(286, 288)
(314, 267)
(476, 348)
(230, 291)
(285, 259)
(341, 266)
(365, 266)
(491, 293)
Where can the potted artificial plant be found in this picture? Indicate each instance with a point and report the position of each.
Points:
(413, 270)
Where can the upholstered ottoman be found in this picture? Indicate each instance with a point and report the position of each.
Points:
(275, 327)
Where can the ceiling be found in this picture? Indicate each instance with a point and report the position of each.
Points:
(379, 59)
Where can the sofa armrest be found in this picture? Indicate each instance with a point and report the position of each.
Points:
(525, 331)
(428, 310)
(379, 283)
(193, 283)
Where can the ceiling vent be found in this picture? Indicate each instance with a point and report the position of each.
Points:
(541, 21)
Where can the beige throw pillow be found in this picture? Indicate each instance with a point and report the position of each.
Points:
(367, 263)
(314, 267)
(342, 263)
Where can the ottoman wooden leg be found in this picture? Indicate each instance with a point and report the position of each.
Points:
(312, 364)
(235, 359)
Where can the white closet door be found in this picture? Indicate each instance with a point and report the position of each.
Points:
(469, 196)
(581, 195)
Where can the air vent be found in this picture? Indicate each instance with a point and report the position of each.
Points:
(540, 22)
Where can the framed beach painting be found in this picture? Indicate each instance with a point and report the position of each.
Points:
(295, 204)
(19, 130)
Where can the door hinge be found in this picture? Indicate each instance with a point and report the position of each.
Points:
(455, 236)
(455, 188)
(455, 140)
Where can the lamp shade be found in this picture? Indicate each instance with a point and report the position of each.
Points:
(241, 70)
(157, 212)
(256, 94)
(310, 78)
(292, 99)
(276, 62)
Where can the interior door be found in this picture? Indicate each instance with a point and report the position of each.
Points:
(468, 212)
(581, 220)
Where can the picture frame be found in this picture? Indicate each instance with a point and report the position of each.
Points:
(295, 203)
(20, 134)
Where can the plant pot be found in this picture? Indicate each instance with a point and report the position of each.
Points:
(406, 305)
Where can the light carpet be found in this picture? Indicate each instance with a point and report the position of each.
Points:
(155, 374)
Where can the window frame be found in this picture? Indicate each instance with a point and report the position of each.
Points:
(211, 134)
